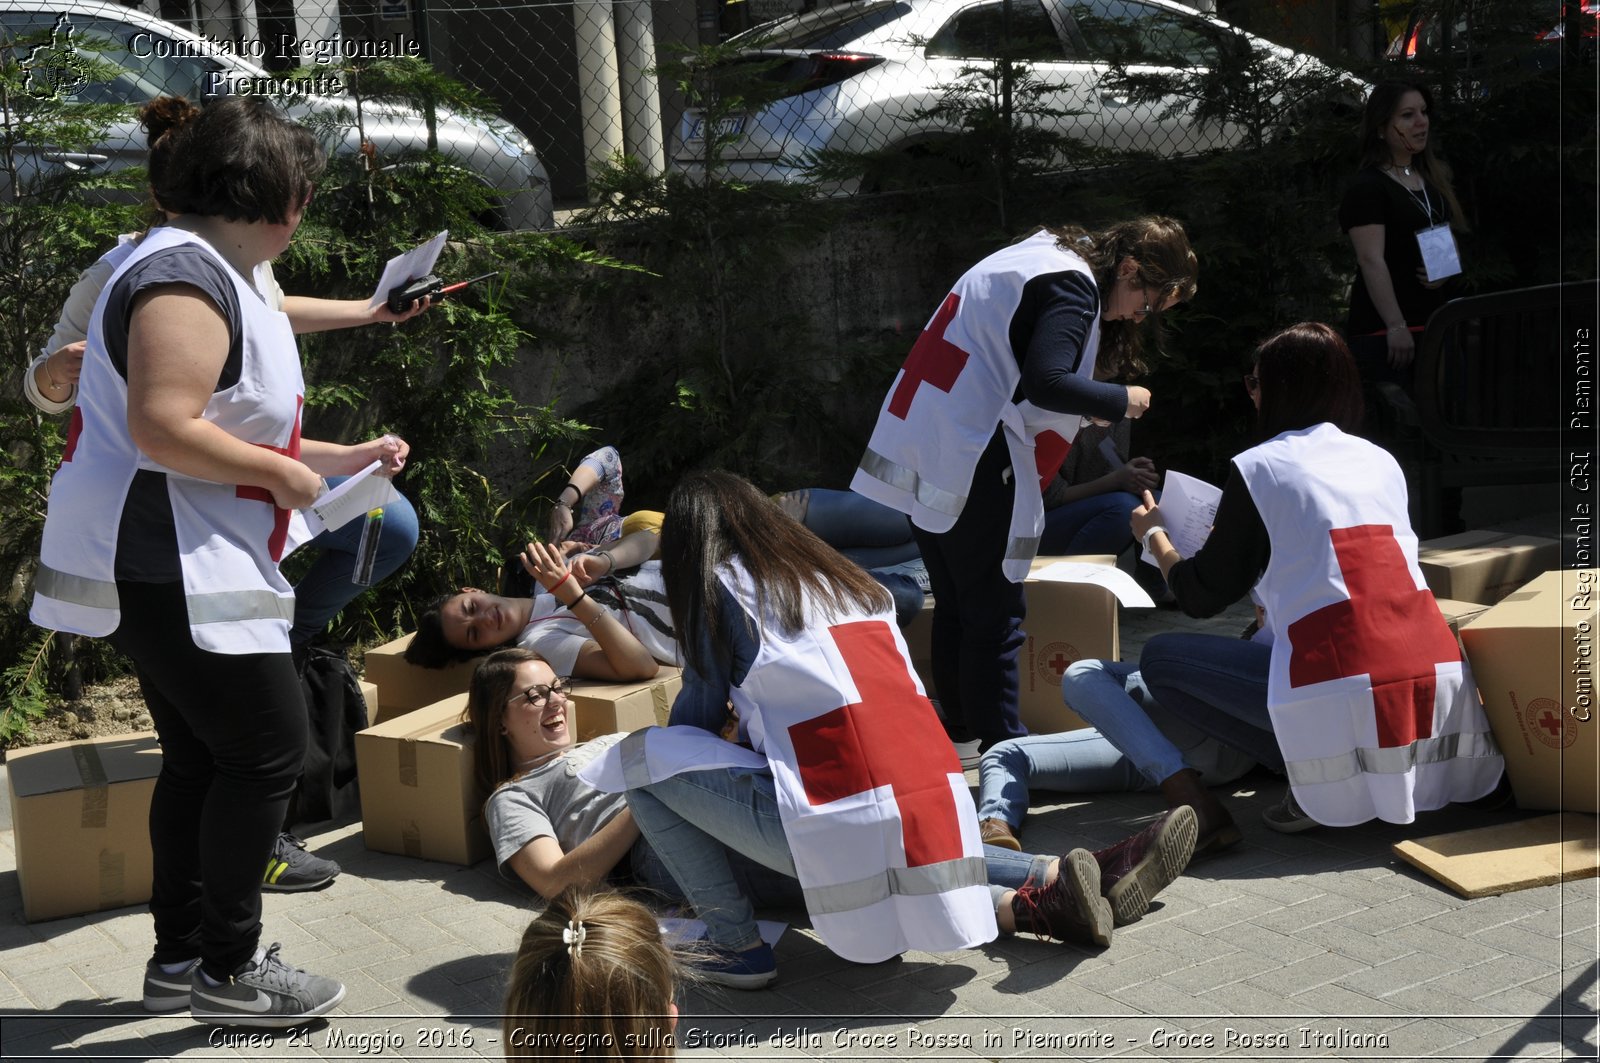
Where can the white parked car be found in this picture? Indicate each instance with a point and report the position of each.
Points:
(158, 58)
(862, 76)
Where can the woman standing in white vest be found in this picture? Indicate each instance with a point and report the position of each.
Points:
(1369, 706)
(986, 407)
(167, 520)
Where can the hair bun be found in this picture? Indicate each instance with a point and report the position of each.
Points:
(165, 113)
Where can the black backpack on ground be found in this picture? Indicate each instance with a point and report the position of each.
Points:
(336, 711)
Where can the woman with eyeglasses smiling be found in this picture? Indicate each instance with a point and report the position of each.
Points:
(550, 829)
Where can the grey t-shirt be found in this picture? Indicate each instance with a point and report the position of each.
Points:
(551, 802)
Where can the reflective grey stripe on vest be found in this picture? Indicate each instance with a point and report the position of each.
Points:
(1020, 549)
(222, 607)
(75, 590)
(635, 768)
(1394, 760)
(903, 881)
(879, 467)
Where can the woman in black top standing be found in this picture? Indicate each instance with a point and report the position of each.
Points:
(1399, 204)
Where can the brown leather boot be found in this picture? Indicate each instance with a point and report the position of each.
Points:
(998, 832)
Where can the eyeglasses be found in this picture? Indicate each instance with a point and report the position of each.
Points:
(1252, 383)
(539, 695)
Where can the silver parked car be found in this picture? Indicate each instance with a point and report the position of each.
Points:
(864, 76)
(158, 58)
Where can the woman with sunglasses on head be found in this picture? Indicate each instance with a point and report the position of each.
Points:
(987, 406)
(1359, 692)
(166, 524)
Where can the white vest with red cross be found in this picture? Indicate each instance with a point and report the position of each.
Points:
(1373, 705)
(875, 807)
(957, 384)
(230, 537)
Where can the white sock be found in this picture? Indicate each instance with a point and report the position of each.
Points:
(174, 968)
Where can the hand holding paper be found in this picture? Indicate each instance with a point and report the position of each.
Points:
(356, 497)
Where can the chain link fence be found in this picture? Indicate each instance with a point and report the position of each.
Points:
(857, 95)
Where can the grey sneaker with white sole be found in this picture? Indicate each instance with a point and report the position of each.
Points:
(264, 991)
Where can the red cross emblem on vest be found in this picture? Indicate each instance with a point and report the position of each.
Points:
(933, 360)
(280, 517)
(890, 738)
(1387, 630)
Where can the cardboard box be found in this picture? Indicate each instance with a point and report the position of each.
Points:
(369, 694)
(1458, 613)
(419, 796)
(1066, 623)
(1484, 566)
(606, 708)
(404, 688)
(1533, 658)
(80, 813)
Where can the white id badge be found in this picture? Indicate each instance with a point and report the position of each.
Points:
(1439, 256)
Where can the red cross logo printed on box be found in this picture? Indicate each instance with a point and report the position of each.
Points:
(280, 517)
(1387, 630)
(890, 737)
(933, 360)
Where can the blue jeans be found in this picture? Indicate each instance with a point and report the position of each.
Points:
(326, 588)
(1094, 525)
(1089, 761)
(867, 532)
(1218, 685)
(905, 591)
(693, 820)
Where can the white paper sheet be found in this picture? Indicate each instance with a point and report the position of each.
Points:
(1112, 579)
(412, 265)
(684, 931)
(358, 495)
(1188, 509)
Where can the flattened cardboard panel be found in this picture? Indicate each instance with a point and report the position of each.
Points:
(1510, 856)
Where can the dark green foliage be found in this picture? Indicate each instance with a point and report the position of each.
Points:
(53, 221)
(439, 379)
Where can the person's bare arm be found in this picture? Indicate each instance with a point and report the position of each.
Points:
(612, 652)
(309, 314)
(1368, 241)
(543, 866)
(177, 347)
(584, 479)
(337, 459)
(629, 551)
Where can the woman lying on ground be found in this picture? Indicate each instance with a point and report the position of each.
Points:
(849, 784)
(473, 622)
(1362, 696)
(618, 577)
(550, 829)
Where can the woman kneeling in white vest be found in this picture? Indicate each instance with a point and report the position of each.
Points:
(1369, 706)
(845, 780)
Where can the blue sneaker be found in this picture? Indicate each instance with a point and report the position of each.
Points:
(756, 968)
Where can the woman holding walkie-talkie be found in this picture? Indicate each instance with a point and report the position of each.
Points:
(167, 520)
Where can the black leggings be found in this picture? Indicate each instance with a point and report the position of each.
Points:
(232, 729)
